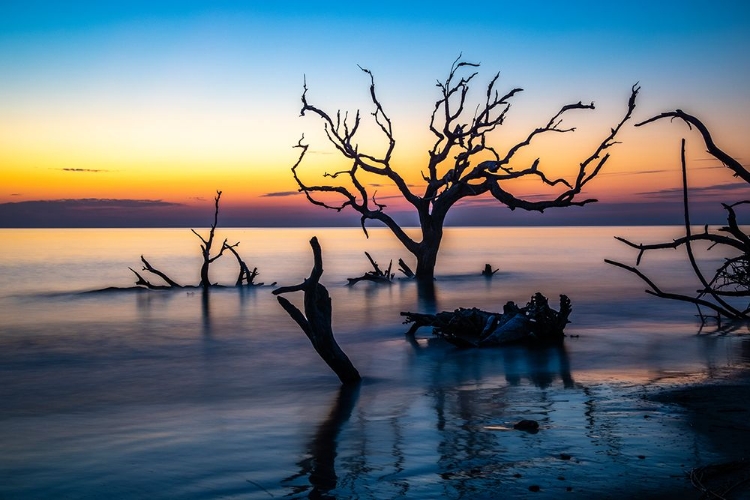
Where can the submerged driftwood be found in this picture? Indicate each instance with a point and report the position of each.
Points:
(535, 323)
(377, 275)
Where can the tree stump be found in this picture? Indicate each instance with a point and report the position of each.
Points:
(316, 321)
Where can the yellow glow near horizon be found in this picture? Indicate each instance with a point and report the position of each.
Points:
(182, 155)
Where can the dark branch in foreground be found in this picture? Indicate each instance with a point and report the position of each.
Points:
(316, 320)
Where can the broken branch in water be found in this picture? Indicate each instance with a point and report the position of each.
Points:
(376, 275)
(316, 320)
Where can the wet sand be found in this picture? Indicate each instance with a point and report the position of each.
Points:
(717, 412)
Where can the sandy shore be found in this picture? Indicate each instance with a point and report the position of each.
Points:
(717, 411)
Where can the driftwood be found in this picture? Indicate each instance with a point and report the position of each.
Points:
(246, 277)
(146, 283)
(377, 275)
(405, 269)
(488, 272)
(208, 242)
(536, 323)
(316, 321)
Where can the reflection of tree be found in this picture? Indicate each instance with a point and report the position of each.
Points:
(206, 312)
(466, 451)
(426, 296)
(319, 465)
(540, 365)
(473, 456)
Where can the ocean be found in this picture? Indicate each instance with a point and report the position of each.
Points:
(111, 391)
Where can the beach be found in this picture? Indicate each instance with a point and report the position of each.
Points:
(717, 411)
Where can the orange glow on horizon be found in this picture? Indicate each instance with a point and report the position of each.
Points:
(53, 160)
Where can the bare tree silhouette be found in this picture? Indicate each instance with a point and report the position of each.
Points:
(461, 162)
(245, 276)
(316, 321)
(731, 281)
(207, 243)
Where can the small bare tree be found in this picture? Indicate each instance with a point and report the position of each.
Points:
(461, 161)
(731, 281)
(245, 276)
(207, 243)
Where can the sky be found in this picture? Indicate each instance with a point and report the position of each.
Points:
(126, 114)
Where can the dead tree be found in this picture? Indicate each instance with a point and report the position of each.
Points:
(377, 275)
(245, 277)
(316, 321)
(208, 243)
(731, 281)
(461, 161)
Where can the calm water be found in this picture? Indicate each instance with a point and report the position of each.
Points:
(172, 394)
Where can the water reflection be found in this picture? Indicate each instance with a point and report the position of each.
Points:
(542, 365)
(539, 365)
(426, 296)
(319, 464)
(206, 311)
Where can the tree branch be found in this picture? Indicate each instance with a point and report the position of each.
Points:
(316, 321)
(711, 147)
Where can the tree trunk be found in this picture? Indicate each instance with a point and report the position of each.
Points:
(316, 320)
(205, 283)
(428, 251)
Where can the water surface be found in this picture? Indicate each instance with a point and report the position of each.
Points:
(174, 394)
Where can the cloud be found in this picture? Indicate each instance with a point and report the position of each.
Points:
(280, 194)
(704, 191)
(90, 212)
(100, 203)
(639, 172)
(390, 197)
(85, 170)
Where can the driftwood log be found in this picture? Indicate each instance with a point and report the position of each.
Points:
(377, 275)
(537, 323)
(147, 284)
(404, 268)
(316, 321)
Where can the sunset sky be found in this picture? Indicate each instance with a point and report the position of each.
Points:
(135, 113)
